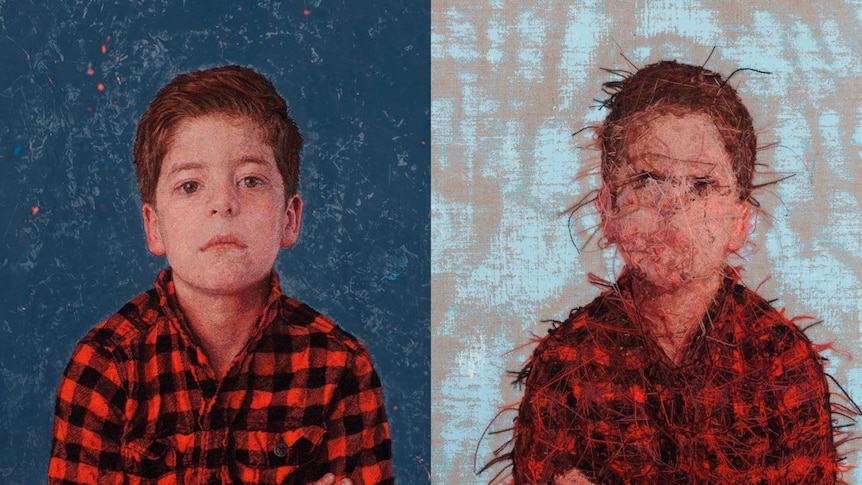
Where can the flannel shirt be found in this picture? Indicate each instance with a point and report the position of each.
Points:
(748, 404)
(139, 404)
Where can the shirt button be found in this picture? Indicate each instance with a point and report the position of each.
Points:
(280, 450)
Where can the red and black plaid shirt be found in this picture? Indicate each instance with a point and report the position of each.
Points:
(749, 403)
(139, 404)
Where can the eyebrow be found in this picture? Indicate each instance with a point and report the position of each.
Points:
(183, 167)
(248, 159)
(252, 160)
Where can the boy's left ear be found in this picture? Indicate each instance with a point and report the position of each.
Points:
(293, 218)
(743, 224)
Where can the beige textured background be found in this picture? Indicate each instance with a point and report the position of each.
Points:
(512, 81)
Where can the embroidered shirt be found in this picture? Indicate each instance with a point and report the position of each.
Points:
(138, 402)
(749, 403)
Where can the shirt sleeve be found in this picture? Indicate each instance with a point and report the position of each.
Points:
(88, 420)
(803, 450)
(357, 443)
(545, 432)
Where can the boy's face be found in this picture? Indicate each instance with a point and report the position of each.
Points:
(220, 213)
(676, 215)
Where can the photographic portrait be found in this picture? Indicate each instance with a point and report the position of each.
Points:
(517, 98)
(77, 80)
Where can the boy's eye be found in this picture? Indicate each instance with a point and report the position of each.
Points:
(643, 179)
(697, 187)
(189, 187)
(700, 186)
(250, 182)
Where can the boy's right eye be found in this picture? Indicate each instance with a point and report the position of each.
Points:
(189, 187)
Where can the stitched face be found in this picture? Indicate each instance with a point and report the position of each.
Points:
(674, 210)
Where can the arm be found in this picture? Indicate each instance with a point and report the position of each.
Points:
(546, 434)
(357, 443)
(88, 421)
(803, 448)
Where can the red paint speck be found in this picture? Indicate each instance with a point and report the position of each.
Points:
(34, 210)
(306, 12)
(100, 87)
(90, 70)
(423, 142)
(104, 48)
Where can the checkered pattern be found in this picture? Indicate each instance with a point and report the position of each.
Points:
(139, 404)
(749, 404)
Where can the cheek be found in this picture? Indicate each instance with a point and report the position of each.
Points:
(631, 223)
(268, 224)
(693, 229)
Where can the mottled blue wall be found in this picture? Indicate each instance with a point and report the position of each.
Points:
(75, 78)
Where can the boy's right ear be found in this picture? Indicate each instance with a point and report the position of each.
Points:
(151, 228)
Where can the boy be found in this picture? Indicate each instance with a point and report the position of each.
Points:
(214, 376)
(676, 374)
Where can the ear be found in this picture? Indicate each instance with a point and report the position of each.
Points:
(151, 228)
(743, 225)
(292, 217)
(604, 205)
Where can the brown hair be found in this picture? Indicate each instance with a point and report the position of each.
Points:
(229, 90)
(668, 85)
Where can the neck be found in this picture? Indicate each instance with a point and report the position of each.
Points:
(673, 316)
(222, 323)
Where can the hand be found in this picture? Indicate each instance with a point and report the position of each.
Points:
(329, 479)
(572, 477)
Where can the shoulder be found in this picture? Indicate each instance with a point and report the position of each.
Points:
(586, 341)
(766, 339)
(764, 326)
(301, 322)
(601, 324)
(129, 324)
(99, 362)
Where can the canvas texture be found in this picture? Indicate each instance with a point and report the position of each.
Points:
(512, 86)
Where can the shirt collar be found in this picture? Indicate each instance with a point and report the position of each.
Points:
(170, 305)
(622, 290)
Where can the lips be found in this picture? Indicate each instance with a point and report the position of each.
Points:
(223, 242)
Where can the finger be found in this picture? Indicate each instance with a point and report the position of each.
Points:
(346, 481)
(327, 479)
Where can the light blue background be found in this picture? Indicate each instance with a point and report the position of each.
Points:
(513, 80)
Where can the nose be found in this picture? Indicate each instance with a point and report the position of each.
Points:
(224, 201)
(671, 200)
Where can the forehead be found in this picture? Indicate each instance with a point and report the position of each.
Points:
(677, 145)
(216, 139)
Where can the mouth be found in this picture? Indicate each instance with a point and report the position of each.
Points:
(223, 242)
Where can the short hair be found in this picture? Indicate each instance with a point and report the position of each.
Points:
(668, 86)
(233, 91)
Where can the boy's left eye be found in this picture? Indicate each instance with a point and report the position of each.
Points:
(250, 182)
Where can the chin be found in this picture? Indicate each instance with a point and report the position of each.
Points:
(669, 277)
(227, 281)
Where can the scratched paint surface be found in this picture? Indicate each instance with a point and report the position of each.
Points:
(512, 82)
(75, 78)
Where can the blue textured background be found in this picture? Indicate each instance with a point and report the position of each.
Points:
(356, 76)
